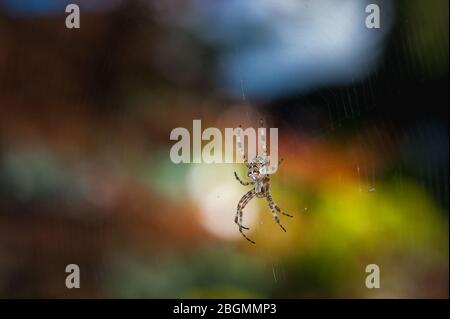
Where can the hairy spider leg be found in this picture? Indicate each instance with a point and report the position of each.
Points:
(282, 212)
(239, 213)
(274, 213)
(242, 182)
(262, 137)
(240, 147)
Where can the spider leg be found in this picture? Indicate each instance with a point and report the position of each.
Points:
(274, 213)
(251, 194)
(236, 220)
(278, 208)
(239, 145)
(239, 212)
(242, 182)
(245, 236)
(280, 211)
(262, 137)
(242, 202)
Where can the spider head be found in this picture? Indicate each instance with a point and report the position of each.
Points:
(257, 168)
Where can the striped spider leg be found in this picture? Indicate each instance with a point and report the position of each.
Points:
(238, 219)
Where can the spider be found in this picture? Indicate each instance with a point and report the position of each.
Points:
(258, 169)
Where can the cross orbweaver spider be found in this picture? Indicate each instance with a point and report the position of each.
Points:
(259, 174)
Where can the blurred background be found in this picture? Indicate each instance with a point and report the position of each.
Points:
(86, 177)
